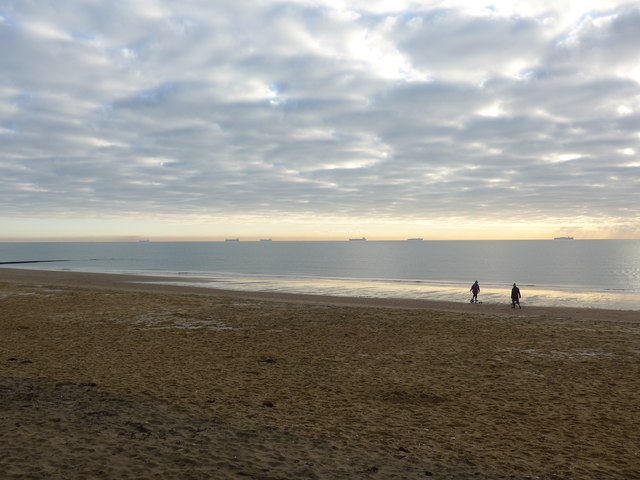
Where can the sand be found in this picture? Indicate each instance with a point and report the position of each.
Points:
(104, 378)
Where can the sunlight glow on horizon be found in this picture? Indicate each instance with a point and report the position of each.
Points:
(134, 229)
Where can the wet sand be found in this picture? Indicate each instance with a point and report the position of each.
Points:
(104, 377)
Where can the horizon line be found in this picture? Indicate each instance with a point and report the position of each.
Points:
(283, 240)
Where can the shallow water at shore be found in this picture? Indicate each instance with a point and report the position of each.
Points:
(448, 292)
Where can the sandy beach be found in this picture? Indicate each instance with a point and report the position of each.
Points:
(106, 377)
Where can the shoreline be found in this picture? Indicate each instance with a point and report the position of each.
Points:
(160, 284)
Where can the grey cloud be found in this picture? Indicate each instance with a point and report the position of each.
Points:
(442, 41)
(608, 39)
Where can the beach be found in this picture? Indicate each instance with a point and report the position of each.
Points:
(104, 376)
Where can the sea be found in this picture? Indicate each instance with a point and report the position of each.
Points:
(572, 273)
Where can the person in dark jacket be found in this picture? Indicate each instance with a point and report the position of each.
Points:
(475, 290)
(515, 296)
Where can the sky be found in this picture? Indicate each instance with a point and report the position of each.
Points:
(319, 119)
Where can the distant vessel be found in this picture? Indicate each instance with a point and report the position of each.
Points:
(265, 239)
(563, 238)
(232, 240)
(357, 239)
(418, 239)
(143, 241)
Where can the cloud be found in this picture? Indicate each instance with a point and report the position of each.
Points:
(322, 109)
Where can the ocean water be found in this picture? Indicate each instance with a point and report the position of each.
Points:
(582, 273)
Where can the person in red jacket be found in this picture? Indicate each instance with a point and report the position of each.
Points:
(475, 290)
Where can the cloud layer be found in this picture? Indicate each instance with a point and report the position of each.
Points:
(314, 109)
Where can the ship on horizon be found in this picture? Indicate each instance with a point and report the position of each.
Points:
(563, 238)
(361, 239)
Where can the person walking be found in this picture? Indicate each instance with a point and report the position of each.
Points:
(475, 290)
(515, 296)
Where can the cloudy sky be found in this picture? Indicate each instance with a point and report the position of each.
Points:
(300, 119)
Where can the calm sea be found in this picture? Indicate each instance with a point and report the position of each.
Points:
(584, 273)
